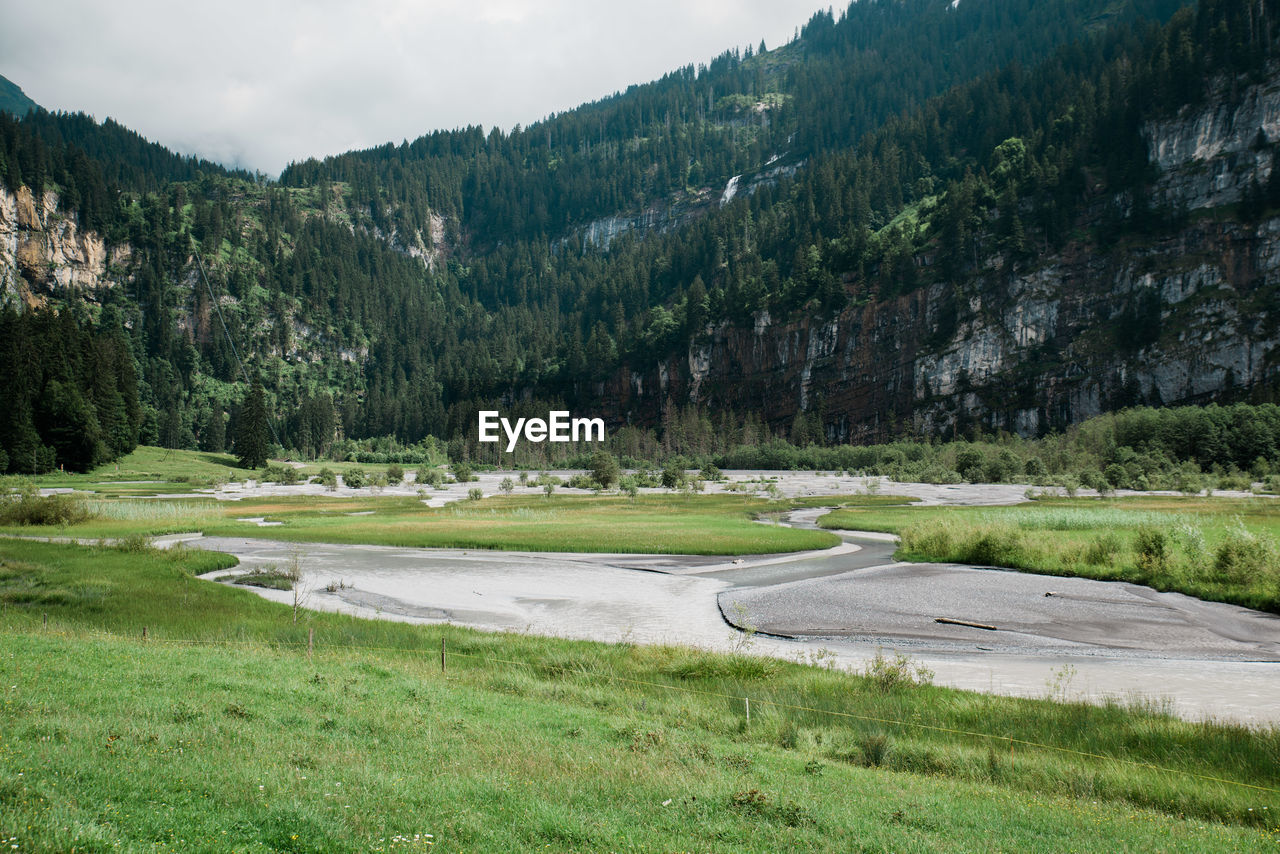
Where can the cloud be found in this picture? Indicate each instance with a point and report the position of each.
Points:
(258, 84)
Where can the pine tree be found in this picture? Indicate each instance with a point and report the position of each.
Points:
(251, 435)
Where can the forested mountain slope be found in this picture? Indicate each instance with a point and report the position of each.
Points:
(917, 217)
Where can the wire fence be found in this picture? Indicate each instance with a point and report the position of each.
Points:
(747, 701)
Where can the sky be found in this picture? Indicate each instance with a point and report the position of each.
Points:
(259, 83)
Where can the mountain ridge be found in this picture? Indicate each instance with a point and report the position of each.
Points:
(377, 307)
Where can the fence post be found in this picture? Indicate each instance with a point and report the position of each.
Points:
(747, 701)
(311, 640)
(442, 653)
(144, 632)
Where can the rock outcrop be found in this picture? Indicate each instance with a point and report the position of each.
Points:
(1187, 318)
(44, 253)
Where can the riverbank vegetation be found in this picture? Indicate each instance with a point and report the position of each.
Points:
(1226, 550)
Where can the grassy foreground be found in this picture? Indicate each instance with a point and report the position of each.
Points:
(1212, 548)
(218, 733)
(653, 524)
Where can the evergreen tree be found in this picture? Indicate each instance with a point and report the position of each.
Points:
(251, 435)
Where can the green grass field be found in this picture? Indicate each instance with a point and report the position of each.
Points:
(218, 733)
(168, 472)
(1213, 548)
(654, 524)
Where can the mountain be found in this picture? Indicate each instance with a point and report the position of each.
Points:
(13, 99)
(918, 217)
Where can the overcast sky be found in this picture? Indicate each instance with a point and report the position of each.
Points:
(258, 83)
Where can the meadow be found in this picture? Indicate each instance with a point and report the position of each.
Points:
(218, 732)
(651, 524)
(1222, 549)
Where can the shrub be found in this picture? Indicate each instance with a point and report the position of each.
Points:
(355, 478)
(711, 473)
(1243, 556)
(1093, 479)
(431, 477)
(969, 463)
(395, 474)
(328, 478)
(992, 545)
(582, 481)
(283, 475)
(462, 472)
(891, 674)
(604, 468)
(524, 478)
(29, 507)
(1235, 482)
(475, 493)
(1152, 547)
(507, 485)
(1117, 476)
(673, 475)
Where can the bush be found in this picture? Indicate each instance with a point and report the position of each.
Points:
(355, 478)
(891, 674)
(970, 463)
(994, 545)
(395, 474)
(1117, 476)
(431, 477)
(507, 485)
(604, 468)
(1244, 557)
(328, 478)
(283, 475)
(582, 481)
(462, 472)
(29, 507)
(628, 485)
(673, 475)
(1152, 547)
(475, 493)
(711, 473)
(1093, 479)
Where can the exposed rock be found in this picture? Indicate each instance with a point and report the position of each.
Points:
(1186, 319)
(43, 252)
(1207, 155)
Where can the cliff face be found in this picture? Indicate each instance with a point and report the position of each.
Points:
(1208, 155)
(1189, 317)
(43, 251)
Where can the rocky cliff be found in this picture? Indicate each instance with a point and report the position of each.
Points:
(1188, 317)
(43, 252)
